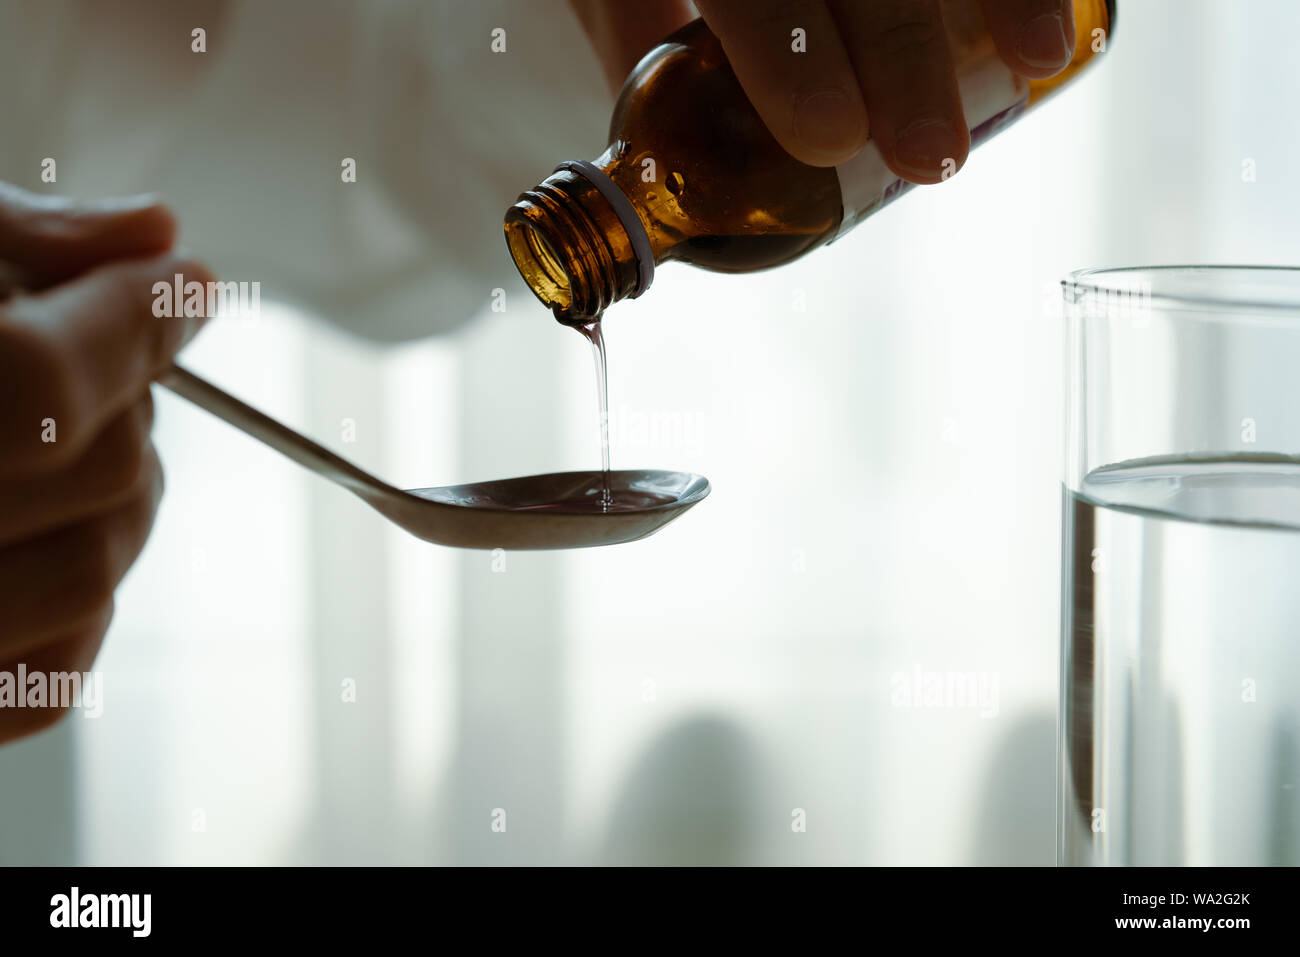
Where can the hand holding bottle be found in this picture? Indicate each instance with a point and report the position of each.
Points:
(756, 133)
(825, 75)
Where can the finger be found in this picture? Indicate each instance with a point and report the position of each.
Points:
(108, 474)
(622, 33)
(76, 356)
(74, 652)
(61, 581)
(900, 52)
(48, 239)
(1034, 37)
(806, 92)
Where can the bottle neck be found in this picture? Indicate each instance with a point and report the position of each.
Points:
(576, 244)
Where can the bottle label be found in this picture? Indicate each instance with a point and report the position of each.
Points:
(992, 97)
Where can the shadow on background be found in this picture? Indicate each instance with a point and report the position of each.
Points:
(38, 799)
(690, 799)
(1016, 821)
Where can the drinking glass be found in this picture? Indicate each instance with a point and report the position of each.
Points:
(1180, 621)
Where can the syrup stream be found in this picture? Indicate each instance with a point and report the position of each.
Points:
(593, 333)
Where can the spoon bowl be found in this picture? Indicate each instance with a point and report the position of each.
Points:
(556, 510)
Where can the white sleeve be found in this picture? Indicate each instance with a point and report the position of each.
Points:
(247, 140)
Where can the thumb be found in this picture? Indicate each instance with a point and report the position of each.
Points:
(46, 240)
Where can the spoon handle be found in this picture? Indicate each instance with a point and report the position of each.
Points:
(275, 434)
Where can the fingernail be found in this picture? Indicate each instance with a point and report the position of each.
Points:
(828, 122)
(924, 145)
(1043, 43)
(123, 204)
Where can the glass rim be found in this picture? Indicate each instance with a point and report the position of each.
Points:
(1280, 301)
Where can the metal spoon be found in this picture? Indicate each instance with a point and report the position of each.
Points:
(536, 511)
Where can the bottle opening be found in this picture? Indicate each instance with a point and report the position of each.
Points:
(540, 266)
(571, 248)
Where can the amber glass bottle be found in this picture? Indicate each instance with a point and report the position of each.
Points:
(692, 174)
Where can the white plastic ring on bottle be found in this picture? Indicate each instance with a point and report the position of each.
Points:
(632, 225)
